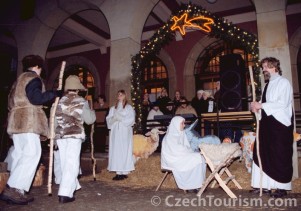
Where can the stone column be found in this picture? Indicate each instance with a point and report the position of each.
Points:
(273, 41)
(272, 33)
(120, 66)
(126, 19)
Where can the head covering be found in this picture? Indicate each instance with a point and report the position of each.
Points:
(200, 91)
(73, 83)
(175, 134)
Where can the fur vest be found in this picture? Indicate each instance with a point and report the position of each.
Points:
(70, 123)
(23, 116)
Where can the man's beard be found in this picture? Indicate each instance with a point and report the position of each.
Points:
(266, 76)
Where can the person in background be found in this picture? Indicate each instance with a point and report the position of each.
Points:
(217, 95)
(155, 111)
(185, 108)
(188, 167)
(27, 126)
(170, 109)
(71, 114)
(146, 107)
(120, 121)
(101, 108)
(163, 100)
(197, 102)
(176, 99)
(275, 134)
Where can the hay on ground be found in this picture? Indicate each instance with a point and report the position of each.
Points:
(148, 175)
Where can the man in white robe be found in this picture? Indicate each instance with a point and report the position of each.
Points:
(120, 120)
(275, 133)
(187, 166)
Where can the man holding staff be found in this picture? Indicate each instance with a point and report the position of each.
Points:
(27, 123)
(275, 132)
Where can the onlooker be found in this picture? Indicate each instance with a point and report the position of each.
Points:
(170, 109)
(100, 131)
(176, 99)
(198, 102)
(217, 95)
(155, 111)
(163, 100)
(185, 108)
(146, 107)
(120, 120)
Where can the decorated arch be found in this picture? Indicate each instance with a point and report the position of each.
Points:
(189, 16)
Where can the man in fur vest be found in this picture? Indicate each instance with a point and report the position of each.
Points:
(71, 114)
(27, 123)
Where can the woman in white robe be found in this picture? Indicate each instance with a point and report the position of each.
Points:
(187, 166)
(120, 120)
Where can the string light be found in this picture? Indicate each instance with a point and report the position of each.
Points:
(219, 28)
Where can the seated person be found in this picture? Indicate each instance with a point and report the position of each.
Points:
(185, 108)
(152, 113)
(188, 167)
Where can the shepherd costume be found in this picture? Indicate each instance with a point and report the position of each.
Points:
(276, 136)
(187, 166)
(27, 123)
(72, 111)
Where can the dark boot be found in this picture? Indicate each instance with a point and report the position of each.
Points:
(14, 196)
(257, 191)
(66, 199)
(279, 193)
(118, 177)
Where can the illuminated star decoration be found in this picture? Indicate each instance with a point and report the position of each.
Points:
(182, 23)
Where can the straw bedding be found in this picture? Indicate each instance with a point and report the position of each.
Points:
(148, 175)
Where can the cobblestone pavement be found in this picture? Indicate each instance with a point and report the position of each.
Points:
(97, 195)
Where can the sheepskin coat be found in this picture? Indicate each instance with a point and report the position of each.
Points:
(23, 116)
(69, 117)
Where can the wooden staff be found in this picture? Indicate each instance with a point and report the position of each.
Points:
(257, 128)
(52, 132)
(92, 146)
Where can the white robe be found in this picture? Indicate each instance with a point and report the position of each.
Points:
(267, 182)
(279, 98)
(188, 167)
(120, 122)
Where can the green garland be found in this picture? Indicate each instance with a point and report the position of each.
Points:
(221, 29)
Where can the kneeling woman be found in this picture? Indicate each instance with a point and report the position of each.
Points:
(188, 167)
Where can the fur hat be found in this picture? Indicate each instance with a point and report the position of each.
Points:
(73, 83)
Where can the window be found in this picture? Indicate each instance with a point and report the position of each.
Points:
(154, 78)
(207, 66)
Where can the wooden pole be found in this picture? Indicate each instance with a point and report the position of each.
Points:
(257, 128)
(52, 132)
(92, 146)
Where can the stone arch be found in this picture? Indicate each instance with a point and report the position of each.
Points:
(170, 66)
(189, 79)
(77, 60)
(294, 46)
(48, 18)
